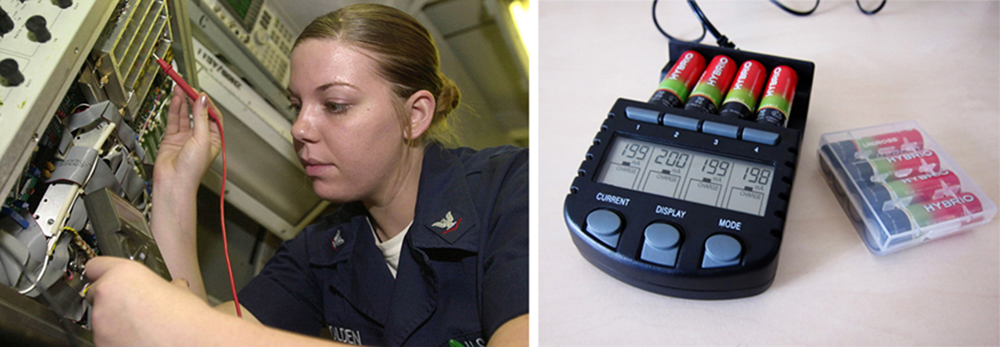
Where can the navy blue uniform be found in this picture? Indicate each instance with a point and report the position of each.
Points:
(458, 279)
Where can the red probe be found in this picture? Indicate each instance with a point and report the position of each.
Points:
(222, 196)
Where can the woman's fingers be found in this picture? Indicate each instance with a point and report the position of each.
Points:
(174, 115)
(201, 123)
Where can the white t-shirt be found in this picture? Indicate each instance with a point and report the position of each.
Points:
(390, 248)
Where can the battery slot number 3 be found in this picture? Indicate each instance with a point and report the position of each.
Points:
(715, 167)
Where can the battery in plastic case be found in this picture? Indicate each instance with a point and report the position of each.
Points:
(899, 187)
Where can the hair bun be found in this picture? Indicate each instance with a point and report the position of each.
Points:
(448, 99)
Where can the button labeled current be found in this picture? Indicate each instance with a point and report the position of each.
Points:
(605, 225)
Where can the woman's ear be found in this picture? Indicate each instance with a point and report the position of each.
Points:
(420, 107)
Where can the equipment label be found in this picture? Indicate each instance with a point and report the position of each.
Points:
(730, 224)
(613, 199)
(670, 211)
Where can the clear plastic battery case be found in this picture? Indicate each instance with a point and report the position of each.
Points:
(899, 187)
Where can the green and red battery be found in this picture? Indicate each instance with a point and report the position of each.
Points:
(714, 83)
(961, 207)
(776, 104)
(894, 167)
(899, 187)
(913, 190)
(881, 145)
(742, 98)
(676, 85)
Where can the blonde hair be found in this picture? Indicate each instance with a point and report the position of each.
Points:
(405, 55)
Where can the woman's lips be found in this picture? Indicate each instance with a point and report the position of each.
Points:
(313, 170)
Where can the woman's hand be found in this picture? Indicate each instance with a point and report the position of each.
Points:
(185, 152)
(134, 307)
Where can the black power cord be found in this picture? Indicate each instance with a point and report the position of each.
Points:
(48, 300)
(806, 13)
(706, 26)
(722, 40)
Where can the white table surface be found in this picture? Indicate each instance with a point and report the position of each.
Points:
(933, 62)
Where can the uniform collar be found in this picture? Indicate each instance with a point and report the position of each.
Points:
(333, 239)
(367, 284)
(445, 211)
(445, 218)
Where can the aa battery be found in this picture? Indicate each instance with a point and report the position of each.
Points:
(742, 98)
(958, 206)
(945, 209)
(714, 82)
(881, 145)
(776, 104)
(895, 167)
(913, 190)
(676, 85)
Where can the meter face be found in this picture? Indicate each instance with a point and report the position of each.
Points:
(687, 175)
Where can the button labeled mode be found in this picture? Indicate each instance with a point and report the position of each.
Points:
(721, 250)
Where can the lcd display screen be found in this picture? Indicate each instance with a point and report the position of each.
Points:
(240, 7)
(688, 175)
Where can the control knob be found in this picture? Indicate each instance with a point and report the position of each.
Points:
(36, 27)
(6, 24)
(260, 37)
(10, 73)
(64, 4)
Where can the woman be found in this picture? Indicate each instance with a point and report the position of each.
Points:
(429, 249)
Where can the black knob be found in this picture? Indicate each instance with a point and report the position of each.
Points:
(36, 27)
(6, 24)
(64, 4)
(9, 72)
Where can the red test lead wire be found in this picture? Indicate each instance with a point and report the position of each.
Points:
(222, 195)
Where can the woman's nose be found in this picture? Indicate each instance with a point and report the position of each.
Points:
(303, 129)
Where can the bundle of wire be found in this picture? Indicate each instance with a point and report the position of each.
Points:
(222, 194)
(722, 40)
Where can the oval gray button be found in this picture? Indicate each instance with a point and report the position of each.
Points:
(603, 222)
(662, 236)
(723, 247)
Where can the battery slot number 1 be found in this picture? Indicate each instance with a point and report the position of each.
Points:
(636, 151)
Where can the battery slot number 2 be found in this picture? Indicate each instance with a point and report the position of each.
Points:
(672, 158)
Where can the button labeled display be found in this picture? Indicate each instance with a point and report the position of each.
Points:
(721, 250)
(661, 245)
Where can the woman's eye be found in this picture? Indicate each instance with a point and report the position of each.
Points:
(335, 108)
(295, 108)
